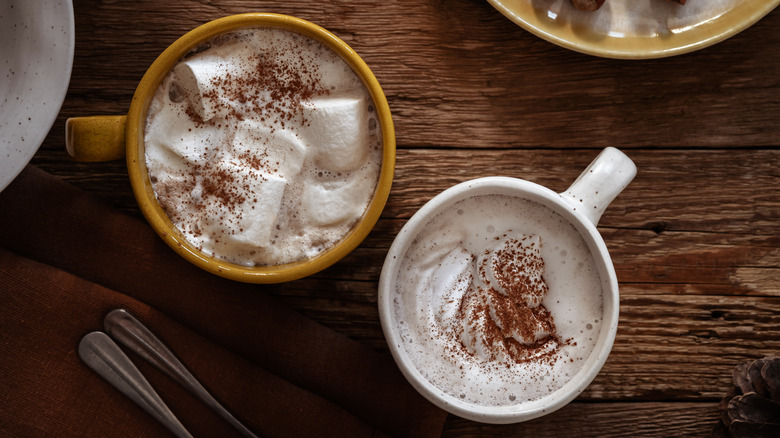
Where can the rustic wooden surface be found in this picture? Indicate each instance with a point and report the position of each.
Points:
(695, 238)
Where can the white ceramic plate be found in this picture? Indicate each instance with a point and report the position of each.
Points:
(36, 56)
(636, 29)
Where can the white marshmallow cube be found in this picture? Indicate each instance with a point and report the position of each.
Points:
(281, 150)
(254, 221)
(177, 138)
(338, 131)
(199, 78)
(334, 203)
(257, 224)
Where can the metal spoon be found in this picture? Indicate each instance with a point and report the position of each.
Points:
(130, 332)
(101, 354)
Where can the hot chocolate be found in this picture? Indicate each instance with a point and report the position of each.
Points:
(498, 300)
(263, 147)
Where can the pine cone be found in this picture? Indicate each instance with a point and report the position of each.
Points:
(752, 407)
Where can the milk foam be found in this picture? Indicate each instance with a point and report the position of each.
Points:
(263, 147)
(438, 275)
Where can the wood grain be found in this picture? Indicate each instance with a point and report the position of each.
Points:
(458, 74)
(695, 238)
(604, 420)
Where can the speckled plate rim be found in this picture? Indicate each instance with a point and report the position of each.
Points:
(707, 33)
(57, 77)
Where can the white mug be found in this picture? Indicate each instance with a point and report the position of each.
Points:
(582, 205)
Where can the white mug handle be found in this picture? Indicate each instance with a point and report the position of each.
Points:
(599, 184)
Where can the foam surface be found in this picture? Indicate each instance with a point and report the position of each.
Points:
(442, 307)
(263, 148)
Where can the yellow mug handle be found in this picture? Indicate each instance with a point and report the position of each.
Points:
(95, 138)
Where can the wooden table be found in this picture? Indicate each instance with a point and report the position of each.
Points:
(695, 238)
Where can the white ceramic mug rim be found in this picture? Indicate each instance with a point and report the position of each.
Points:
(592, 366)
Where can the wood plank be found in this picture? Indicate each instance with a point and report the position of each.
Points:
(702, 264)
(715, 191)
(458, 74)
(668, 346)
(604, 420)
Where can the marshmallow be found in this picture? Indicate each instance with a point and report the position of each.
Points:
(338, 130)
(175, 138)
(199, 79)
(281, 150)
(253, 220)
(256, 224)
(334, 203)
(291, 152)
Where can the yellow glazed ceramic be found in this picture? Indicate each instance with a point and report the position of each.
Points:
(107, 137)
(631, 29)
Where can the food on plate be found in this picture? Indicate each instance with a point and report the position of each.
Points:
(592, 5)
(587, 5)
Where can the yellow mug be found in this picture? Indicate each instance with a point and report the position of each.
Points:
(102, 138)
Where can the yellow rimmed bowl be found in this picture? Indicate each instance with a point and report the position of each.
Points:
(102, 138)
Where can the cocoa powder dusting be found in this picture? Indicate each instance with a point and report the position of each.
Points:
(513, 271)
(270, 87)
(500, 314)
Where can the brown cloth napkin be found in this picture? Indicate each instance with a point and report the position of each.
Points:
(67, 259)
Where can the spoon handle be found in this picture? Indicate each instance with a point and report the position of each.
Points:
(127, 330)
(101, 354)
